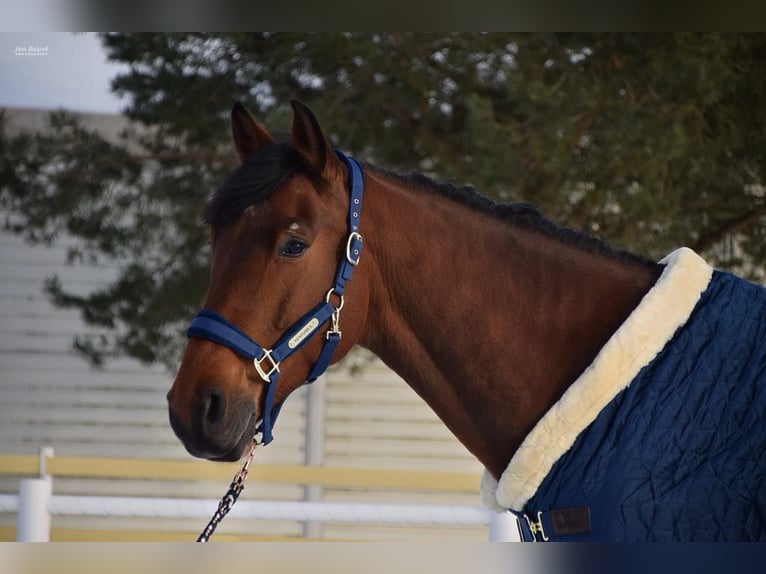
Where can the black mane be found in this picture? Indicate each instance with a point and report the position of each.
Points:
(518, 213)
(255, 180)
(272, 167)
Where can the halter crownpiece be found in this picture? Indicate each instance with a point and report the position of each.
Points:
(208, 324)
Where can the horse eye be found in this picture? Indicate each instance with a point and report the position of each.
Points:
(293, 248)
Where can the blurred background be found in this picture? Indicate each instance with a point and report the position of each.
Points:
(110, 144)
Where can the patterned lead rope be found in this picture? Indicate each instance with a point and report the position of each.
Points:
(231, 496)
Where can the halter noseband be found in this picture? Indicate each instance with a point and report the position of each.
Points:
(210, 325)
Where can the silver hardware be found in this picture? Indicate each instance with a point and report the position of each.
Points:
(353, 258)
(335, 317)
(537, 527)
(332, 292)
(266, 376)
(335, 327)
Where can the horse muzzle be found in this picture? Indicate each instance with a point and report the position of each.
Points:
(218, 429)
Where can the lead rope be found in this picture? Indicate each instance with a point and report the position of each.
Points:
(231, 496)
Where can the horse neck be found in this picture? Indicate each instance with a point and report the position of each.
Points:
(487, 321)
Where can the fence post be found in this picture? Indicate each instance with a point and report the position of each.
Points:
(503, 527)
(34, 520)
(314, 447)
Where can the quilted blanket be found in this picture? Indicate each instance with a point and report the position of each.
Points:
(663, 436)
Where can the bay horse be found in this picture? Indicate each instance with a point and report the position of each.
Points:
(539, 347)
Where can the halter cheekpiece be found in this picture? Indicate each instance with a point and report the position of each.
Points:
(210, 325)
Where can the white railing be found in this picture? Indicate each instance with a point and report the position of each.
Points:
(35, 504)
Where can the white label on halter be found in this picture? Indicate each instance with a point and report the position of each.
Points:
(307, 329)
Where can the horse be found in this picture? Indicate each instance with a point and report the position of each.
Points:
(550, 355)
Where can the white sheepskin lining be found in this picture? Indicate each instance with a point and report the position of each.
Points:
(665, 308)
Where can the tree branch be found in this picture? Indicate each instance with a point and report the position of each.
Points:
(729, 227)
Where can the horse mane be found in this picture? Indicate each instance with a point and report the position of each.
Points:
(522, 214)
(255, 180)
(264, 172)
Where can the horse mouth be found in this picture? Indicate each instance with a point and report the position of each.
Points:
(226, 446)
(245, 440)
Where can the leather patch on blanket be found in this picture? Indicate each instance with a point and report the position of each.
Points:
(570, 521)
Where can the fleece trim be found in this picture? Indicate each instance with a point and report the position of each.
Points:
(651, 325)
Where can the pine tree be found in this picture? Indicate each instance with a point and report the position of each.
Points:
(648, 141)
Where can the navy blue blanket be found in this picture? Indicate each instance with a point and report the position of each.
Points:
(674, 451)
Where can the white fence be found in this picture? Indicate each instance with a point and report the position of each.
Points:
(36, 503)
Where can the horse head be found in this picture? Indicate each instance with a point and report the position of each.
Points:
(278, 230)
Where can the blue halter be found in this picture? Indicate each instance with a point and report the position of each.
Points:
(210, 325)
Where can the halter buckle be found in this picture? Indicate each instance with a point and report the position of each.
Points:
(266, 375)
(354, 248)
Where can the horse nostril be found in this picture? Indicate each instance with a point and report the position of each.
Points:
(214, 407)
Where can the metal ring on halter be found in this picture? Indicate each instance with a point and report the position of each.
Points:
(332, 292)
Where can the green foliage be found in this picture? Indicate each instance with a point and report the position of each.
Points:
(649, 141)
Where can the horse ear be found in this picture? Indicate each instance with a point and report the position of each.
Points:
(308, 137)
(249, 136)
